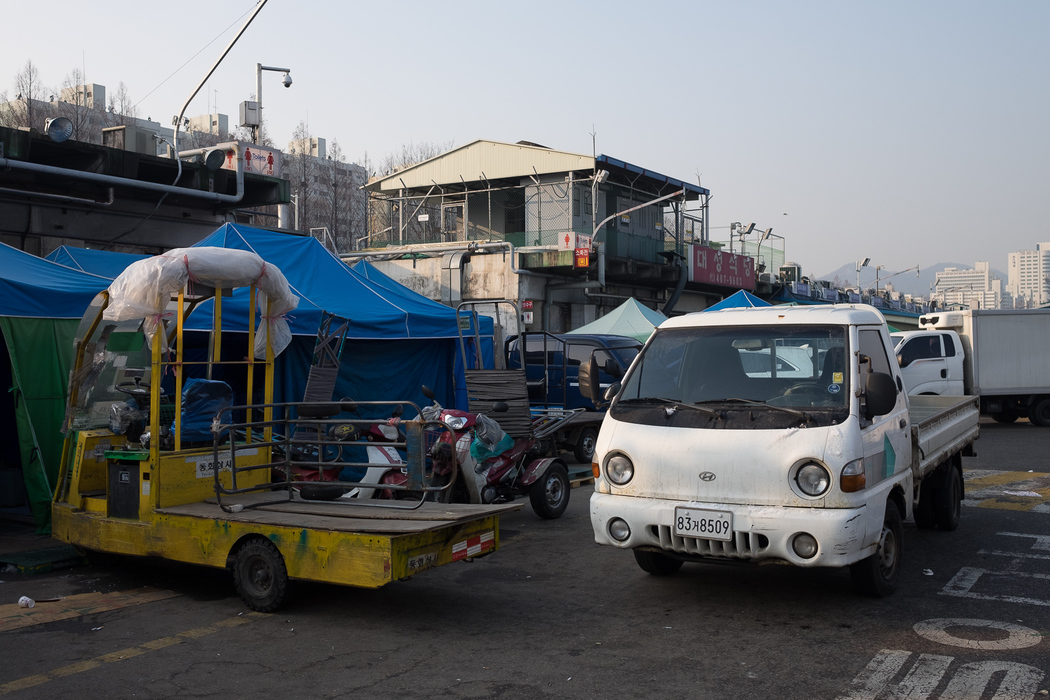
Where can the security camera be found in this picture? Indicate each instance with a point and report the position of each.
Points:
(287, 80)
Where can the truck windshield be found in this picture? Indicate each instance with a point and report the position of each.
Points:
(744, 368)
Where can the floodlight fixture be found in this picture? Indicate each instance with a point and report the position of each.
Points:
(58, 129)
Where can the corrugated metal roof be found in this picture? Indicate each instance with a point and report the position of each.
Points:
(483, 160)
(608, 162)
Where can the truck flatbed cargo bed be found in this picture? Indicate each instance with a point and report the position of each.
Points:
(341, 517)
(941, 426)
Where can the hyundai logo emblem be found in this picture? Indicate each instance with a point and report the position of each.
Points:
(707, 476)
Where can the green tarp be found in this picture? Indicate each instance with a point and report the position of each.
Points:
(39, 349)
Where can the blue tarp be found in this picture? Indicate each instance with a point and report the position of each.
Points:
(323, 282)
(97, 262)
(739, 300)
(31, 287)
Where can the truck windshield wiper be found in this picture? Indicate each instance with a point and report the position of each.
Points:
(671, 402)
(750, 402)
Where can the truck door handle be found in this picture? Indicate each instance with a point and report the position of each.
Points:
(944, 374)
(903, 424)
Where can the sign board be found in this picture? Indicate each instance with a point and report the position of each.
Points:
(526, 318)
(423, 217)
(255, 159)
(581, 257)
(721, 268)
(570, 240)
(526, 304)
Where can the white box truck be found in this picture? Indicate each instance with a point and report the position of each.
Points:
(705, 456)
(1003, 356)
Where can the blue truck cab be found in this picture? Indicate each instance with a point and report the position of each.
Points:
(552, 369)
(552, 364)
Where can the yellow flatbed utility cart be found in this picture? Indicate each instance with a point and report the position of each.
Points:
(158, 461)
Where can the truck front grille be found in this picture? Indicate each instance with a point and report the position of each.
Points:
(744, 545)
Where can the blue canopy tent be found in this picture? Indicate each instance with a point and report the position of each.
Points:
(41, 304)
(397, 340)
(739, 300)
(485, 323)
(97, 262)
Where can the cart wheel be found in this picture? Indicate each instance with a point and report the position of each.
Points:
(550, 495)
(260, 575)
(584, 451)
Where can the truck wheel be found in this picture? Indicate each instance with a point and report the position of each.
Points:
(1039, 412)
(879, 574)
(260, 575)
(1004, 417)
(550, 495)
(923, 510)
(947, 505)
(657, 564)
(584, 451)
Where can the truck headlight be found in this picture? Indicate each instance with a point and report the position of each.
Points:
(812, 479)
(619, 469)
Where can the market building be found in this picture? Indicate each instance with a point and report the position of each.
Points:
(566, 236)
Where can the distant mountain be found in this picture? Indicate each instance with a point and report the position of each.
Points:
(907, 282)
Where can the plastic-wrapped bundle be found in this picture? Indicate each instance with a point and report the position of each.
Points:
(489, 439)
(145, 286)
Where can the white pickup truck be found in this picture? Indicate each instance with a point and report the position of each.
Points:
(702, 456)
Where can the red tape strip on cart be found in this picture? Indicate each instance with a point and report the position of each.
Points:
(473, 546)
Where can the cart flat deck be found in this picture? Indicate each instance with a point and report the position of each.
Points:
(340, 517)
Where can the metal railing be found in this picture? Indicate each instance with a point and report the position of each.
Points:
(305, 446)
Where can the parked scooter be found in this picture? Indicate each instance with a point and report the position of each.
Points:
(493, 467)
(360, 447)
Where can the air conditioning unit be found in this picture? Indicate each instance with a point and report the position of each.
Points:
(131, 138)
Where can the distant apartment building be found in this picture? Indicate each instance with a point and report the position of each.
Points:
(1028, 276)
(215, 124)
(975, 289)
(90, 96)
(316, 147)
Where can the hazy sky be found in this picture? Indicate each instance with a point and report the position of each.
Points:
(910, 132)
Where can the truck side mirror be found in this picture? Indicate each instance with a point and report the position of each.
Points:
(590, 387)
(880, 393)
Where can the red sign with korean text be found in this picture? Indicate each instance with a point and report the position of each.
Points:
(722, 268)
(582, 257)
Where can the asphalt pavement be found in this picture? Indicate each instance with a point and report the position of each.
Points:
(553, 615)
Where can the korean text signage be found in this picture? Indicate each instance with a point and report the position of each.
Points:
(710, 266)
(581, 257)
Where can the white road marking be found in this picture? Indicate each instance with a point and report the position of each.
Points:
(1018, 637)
(971, 680)
(961, 586)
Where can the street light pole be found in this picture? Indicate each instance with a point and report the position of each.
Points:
(286, 81)
(860, 264)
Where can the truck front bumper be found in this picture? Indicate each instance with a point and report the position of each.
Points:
(843, 536)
